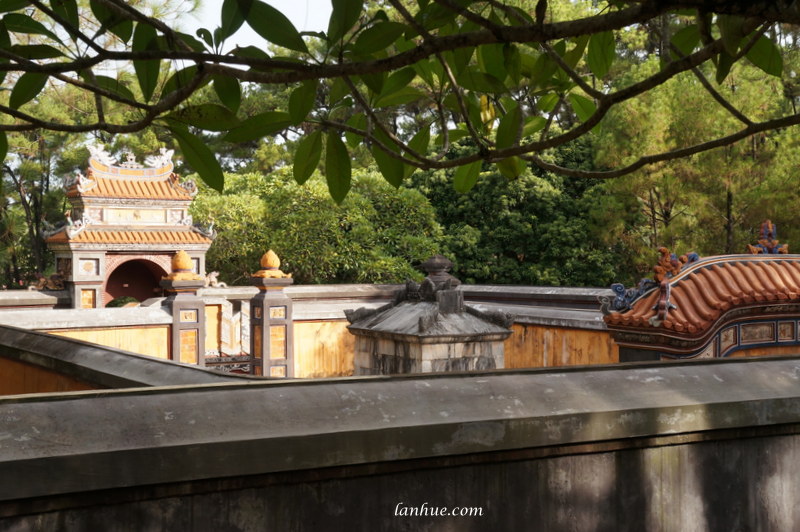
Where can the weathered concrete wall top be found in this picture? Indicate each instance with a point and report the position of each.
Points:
(102, 366)
(183, 433)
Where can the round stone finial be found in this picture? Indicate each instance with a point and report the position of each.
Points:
(270, 261)
(270, 267)
(181, 261)
(437, 267)
(182, 268)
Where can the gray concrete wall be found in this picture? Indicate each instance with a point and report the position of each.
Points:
(101, 366)
(683, 446)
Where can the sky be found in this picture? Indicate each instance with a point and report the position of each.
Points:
(306, 15)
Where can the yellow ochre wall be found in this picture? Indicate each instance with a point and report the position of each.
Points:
(146, 340)
(19, 378)
(537, 346)
(323, 349)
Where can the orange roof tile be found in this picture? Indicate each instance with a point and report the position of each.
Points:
(105, 187)
(132, 236)
(705, 290)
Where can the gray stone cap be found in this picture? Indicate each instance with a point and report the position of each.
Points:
(104, 367)
(184, 433)
(33, 298)
(52, 319)
(305, 292)
(576, 297)
(548, 316)
(423, 320)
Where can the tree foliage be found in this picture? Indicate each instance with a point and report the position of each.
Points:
(500, 74)
(377, 234)
(539, 229)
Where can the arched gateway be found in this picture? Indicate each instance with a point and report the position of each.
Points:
(126, 222)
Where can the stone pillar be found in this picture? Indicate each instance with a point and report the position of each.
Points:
(188, 337)
(271, 328)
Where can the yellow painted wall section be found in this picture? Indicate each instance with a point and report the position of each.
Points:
(536, 346)
(152, 341)
(19, 378)
(213, 324)
(766, 351)
(323, 349)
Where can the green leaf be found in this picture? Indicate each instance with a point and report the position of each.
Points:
(374, 81)
(307, 156)
(344, 15)
(19, 23)
(434, 16)
(259, 126)
(302, 99)
(492, 61)
(533, 124)
(35, 51)
(724, 64)
(401, 97)
(232, 16)
(228, 91)
(391, 169)
(193, 43)
(339, 90)
(573, 56)
(273, 26)
(147, 71)
(66, 9)
(337, 167)
(378, 37)
(27, 87)
(251, 52)
(179, 79)
(208, 116)
(513, 62)
(475, 80)
(509, 128)
(397, 80)
(114, 21)
(466, 176)
(3, 146)
(548, 102)
(766, 56)
(198, 156)
(459, 59)
(686, 39)
(13, 5)
(453, 135)
(730, 30)
(419, 143)
(511, 168)
(358, 121)
(109, 84)
(583, 107)
(601, 53)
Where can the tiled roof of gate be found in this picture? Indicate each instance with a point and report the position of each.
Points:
(168, 189)
(143, 236)
(706, 289)
(104, 180)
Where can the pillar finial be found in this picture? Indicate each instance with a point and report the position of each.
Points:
(182, 268)
(270, 267)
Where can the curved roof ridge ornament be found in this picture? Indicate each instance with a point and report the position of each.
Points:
(164, 158)
(156, 167)
(99, 154)
(74, 228)
(768, 243)
(667, 267)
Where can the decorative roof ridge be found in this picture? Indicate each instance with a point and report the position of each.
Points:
(103, 165)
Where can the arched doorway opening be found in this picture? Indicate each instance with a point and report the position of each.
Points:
(136, 278)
